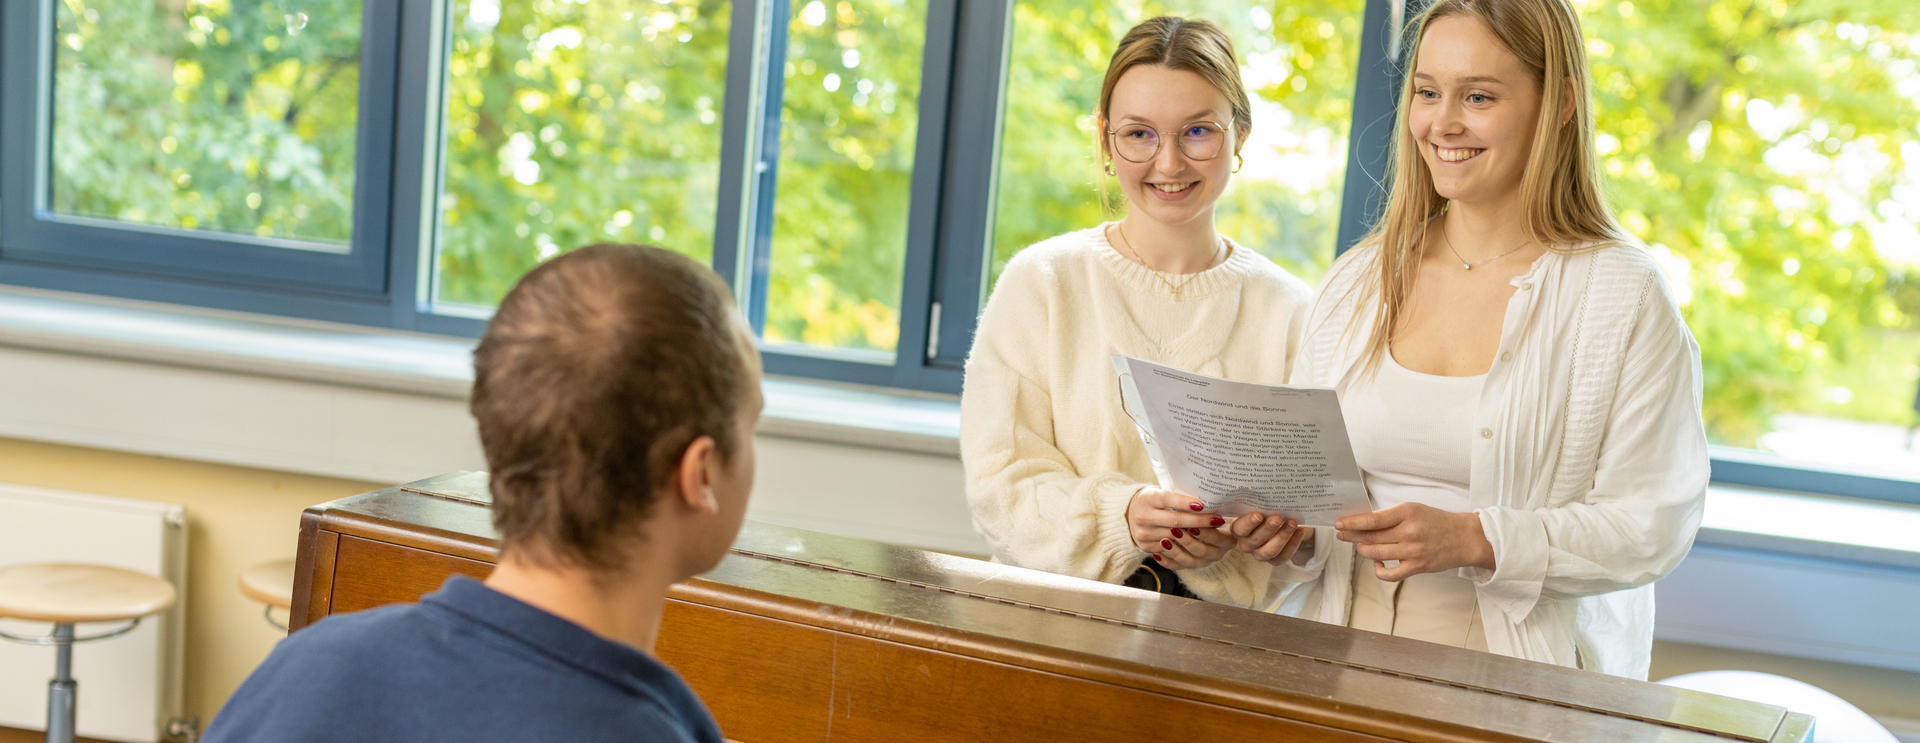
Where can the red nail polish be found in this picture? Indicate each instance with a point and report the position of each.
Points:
(1218, 521)
(1178, 534)
(1158, 558)
(1166, 544)
(1196, 506)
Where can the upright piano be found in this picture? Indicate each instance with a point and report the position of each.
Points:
(803, 636)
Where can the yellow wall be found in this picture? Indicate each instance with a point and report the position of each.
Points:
(236, 517)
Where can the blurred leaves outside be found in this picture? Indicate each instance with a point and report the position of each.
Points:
(233, 116)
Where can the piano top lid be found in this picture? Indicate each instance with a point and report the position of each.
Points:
(455, 506)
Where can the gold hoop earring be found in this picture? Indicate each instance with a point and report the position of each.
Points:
(1237, 162)
(1110, 168)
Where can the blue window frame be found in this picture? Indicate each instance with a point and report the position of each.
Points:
(42, 246)
(384, 276)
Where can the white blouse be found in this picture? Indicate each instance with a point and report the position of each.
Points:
(1589, 462)
(1413, 435)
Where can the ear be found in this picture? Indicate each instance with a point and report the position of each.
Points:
(1100, 132)
(694, 476)
(1568, 102)
(1240, 138)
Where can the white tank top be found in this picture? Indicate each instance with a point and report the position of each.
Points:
(1413, 435)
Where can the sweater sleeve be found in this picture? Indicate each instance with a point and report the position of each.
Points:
(1028, 500)
(1649, 487)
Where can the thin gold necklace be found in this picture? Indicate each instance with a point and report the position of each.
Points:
(1121, 227)
(1463, 259)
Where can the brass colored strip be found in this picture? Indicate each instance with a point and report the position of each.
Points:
(447, 496)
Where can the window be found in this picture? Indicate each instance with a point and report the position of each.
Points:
(236, 120)
(569, 124)
(848, 125)
(860, 170)
(1778, 182)
(227, 142)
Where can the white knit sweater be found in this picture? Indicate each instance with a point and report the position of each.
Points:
(1051, 458)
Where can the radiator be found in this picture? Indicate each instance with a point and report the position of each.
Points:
(131, 685)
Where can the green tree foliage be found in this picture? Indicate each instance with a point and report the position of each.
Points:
(847, 134)
(571, 123)
(229, 115)
(1751, 144)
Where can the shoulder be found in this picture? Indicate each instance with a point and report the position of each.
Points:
(1352, 266)
(337, 664)
(1621, 258)
(1264, 275)
(1037, 278)
(1626, 270)
(1046, 261)
(1628, 288)
(1345, 284)
(348, 645)
(373, 627)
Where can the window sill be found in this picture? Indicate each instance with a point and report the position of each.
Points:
(1820, 527)
(415, 364)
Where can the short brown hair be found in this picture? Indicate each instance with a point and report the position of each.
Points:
(599, 369)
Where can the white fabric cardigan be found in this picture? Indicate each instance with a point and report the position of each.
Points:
(1589, 467)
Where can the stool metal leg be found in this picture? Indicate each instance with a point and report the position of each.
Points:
(62, 690)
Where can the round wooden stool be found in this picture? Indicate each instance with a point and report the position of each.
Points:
(271, 584)
(65, 595)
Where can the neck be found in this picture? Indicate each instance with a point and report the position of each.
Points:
(625, 610)
(1171, 248)
(1482, 230)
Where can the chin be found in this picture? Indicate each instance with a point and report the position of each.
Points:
(1452, 190)
(1174, 214)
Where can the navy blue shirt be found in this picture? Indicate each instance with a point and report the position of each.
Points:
(467, 663)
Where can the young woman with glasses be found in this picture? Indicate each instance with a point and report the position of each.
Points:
(1056, 475)
(1519, 386)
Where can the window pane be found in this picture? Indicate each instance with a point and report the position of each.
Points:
(848, 121)
(1297, 60)
(1776, 180)
(231, 117)
(573, 123)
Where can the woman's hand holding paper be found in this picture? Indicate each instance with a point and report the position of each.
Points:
(1170, 527)
(1423, 538)
(1271, 539)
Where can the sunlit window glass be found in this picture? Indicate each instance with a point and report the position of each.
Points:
(1297, 60)
(575, 123)
(847, 126)
(1775, 180)
(229, 117)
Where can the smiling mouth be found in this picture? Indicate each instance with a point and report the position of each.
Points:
(1453, 155)
(1173, 187)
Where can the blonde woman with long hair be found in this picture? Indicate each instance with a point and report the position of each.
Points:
(1522, 393)
(1056, 476)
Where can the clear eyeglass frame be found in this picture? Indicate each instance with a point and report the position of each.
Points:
(1181, 141)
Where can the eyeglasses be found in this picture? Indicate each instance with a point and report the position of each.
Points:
(1138, 143)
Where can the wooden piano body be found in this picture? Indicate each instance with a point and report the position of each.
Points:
(802, 636)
